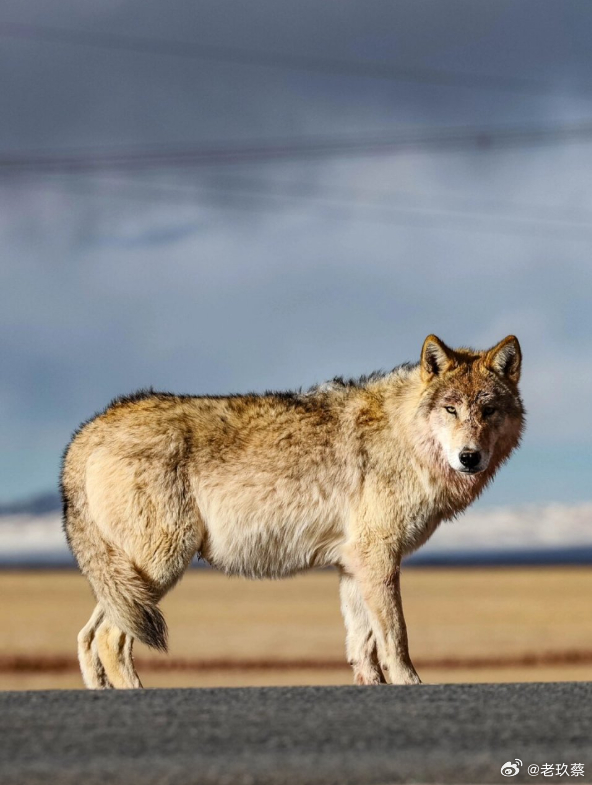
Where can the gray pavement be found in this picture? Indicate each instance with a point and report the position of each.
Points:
(283, 736)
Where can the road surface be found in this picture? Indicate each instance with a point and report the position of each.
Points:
(284, 736)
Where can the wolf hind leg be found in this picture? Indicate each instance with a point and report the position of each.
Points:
(114, 649)
(130, 564)
(129, 667)
(93, 672)
(360, 641)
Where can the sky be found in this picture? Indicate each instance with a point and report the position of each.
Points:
(280, 272)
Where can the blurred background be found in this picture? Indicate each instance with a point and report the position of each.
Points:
(221, 197)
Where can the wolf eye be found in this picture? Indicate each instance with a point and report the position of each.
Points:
(487, 410)
(450, 409)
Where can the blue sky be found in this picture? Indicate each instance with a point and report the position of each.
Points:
(282, 274)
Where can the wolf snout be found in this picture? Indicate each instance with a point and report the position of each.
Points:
(470, 459)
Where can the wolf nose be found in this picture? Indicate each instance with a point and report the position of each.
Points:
(470, 458)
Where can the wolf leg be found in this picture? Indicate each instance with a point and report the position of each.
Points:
(360, 642)
(93, 673)
(377, 572)
(129, 666)
(115, 652)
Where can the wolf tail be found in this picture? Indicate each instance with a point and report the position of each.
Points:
(125, 593)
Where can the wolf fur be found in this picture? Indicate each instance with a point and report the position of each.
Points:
(353, 474)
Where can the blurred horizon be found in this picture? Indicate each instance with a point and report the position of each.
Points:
(224, 198)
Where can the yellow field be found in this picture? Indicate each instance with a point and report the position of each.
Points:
(464, 625)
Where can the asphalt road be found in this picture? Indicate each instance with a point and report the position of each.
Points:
(283, 736)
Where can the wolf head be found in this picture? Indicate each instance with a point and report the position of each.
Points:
(471, 404)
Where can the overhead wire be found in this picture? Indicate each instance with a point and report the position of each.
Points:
(253, 200)
(203, 154)
(179, 156)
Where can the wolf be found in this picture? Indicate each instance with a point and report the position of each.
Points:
(351, 474)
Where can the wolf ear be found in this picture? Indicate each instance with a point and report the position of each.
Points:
(505, 358)
(436, 358)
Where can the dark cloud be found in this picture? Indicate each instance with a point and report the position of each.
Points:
(286, 273)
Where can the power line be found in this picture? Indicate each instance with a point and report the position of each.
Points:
(476, 221)
(281, 60)
(173, 156)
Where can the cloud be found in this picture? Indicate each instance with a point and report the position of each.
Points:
(284, 274)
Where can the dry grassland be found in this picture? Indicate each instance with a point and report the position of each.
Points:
(464, 625)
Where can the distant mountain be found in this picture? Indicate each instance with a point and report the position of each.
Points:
(42, 504)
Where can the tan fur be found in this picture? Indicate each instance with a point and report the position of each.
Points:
(350, 474)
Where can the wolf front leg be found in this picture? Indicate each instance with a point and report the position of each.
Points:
(377, 572)
(360, 642)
